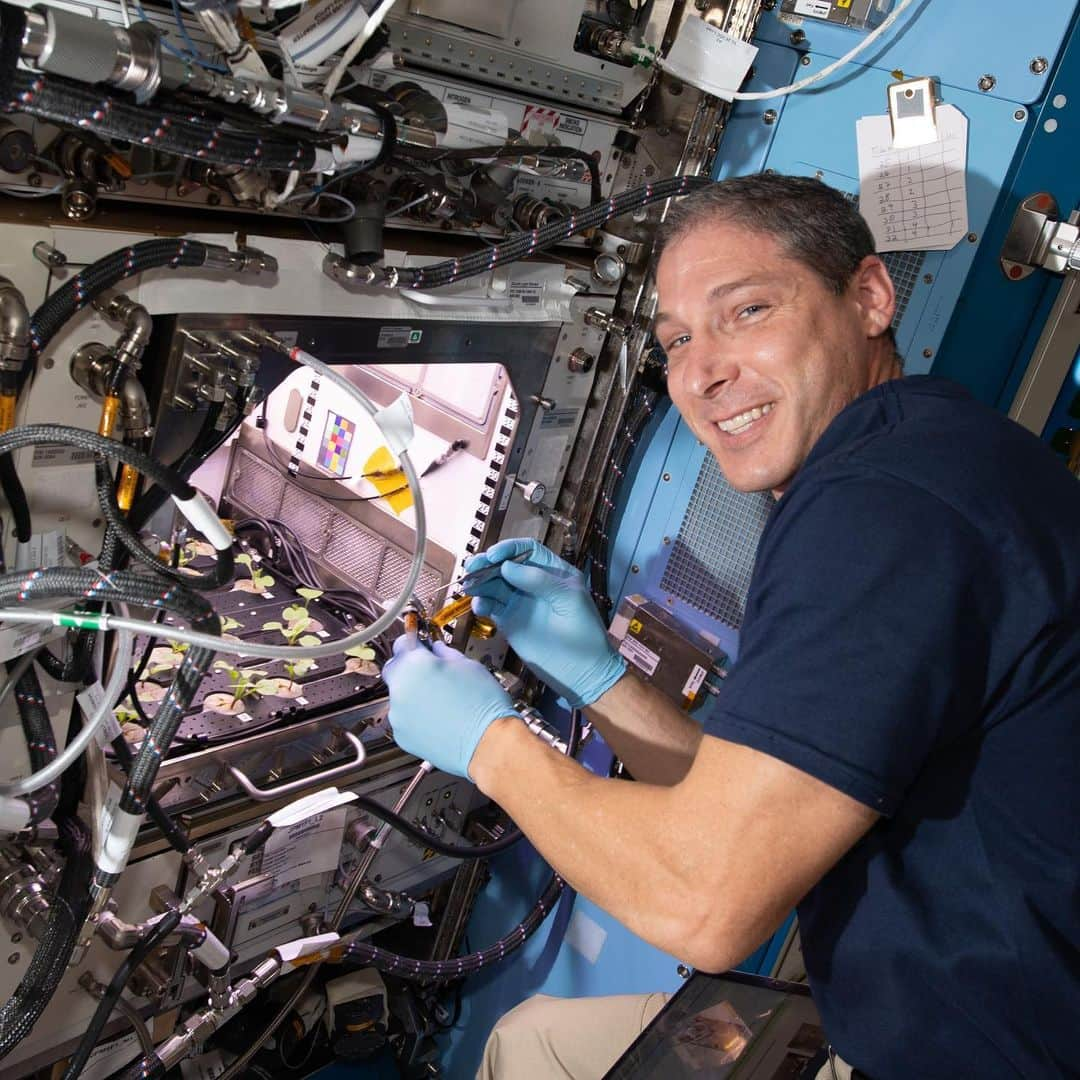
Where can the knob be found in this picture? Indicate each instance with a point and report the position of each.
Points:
(532, 491)
(580, 361)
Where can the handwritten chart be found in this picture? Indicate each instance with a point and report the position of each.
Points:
(914, 199)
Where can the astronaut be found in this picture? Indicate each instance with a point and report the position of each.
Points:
(894, 754)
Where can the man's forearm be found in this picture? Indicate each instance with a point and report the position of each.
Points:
(654, 739)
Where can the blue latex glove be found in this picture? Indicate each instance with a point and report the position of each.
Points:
(543, 607)
(441, 703)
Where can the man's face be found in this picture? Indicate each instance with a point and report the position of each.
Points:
(761, 353)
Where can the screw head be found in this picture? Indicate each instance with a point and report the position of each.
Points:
(768, 116)
(805, 61)
(13, 958)
(635, 569)
(972, 237)
(798, 37)
(48, 363)
(987, 83)
(667, 539)
(1039, 65)
(928, 353)
(16, 938)
(1019, 114)
(667, 477)
(928, 279)
(682, 971)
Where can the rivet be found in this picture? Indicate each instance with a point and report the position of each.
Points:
(1019, 114)
(972, 237)
(667, 539)
(987, 83)
(769, 116)
(928, 279)
(805, 61)
(635, 569)
(1038, 65)
(928, 353)
(667, 477)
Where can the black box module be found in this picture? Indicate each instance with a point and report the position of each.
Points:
(675, 659)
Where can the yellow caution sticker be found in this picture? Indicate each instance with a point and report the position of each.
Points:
(635, 626)
(389, 481)
(843, 3)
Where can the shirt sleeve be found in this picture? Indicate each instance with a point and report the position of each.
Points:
(866, 636)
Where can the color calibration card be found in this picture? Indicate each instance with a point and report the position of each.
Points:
(336, 441)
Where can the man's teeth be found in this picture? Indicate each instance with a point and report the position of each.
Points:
(741, 422)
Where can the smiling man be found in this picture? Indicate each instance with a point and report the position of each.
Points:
(896, 751)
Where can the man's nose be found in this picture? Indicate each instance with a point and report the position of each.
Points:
(708, 368)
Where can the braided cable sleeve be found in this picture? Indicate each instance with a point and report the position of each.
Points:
(130, 588)
(149, 1067)
(67, 911)
(103, 274)
(76, 667)
(31, 434)
(40, 742)
(107, 114)
(523, 244)
(404, 967)
(221, 574)
(175, 836)
(16, 498)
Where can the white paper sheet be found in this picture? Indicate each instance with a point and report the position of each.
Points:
(914, 199)
(705, 57)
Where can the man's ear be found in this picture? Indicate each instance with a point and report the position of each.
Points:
(873, 291)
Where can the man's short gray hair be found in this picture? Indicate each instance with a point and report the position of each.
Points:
(817, 225)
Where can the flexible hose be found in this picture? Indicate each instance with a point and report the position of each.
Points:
(15, 495)
(522, 244)
(123, 587)
(140, 951)
(366, 955)
(67, 911)
(111, 116)
(176, 838)
(40, 742)
(103, 274)
(221, 574)
(149, 1067)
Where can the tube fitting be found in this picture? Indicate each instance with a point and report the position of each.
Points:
(136, 321)
(14, 327)
(241, 261)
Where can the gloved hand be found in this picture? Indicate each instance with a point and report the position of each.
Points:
(543, 607)
(441, 703)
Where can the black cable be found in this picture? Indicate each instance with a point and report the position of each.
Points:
(366, 955)
(13, 490)
(221, 574)
(141, 950)
(519, 245)
(40, 742)
(175, 836)
(103, 274)
(68, 909)
(110, 115)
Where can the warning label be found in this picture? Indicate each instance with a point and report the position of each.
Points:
(398, 337)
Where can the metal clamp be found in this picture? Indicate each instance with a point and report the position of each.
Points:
(293, 786)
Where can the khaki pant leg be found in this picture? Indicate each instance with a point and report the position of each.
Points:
(548, 1038)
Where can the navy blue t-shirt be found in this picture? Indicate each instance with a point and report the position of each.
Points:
(912, 638)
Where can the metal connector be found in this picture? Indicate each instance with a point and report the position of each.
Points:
(241, 261)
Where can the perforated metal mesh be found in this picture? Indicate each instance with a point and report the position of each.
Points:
(363, 556)
(904, 268)
(308, 518)
(355, 552)
(712, 558)
(255, 485)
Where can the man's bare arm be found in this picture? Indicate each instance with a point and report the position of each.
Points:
(649, 734)
(704, 868)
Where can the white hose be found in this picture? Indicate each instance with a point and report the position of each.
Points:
(113, 691)
(262, 651)
(358, 42)
(825, 72)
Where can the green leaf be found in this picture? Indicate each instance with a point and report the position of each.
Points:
(244, 559)
(265, 686)
(308, 640)
(273, 626)
(361, 652)
(228, 623)
(309, 594)
(300, 667)
(264, 580)
(222, 665)
(294, 612)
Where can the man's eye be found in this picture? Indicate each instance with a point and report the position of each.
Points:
(681, 340)
(751, 309)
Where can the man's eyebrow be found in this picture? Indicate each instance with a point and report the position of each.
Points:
(718, 292)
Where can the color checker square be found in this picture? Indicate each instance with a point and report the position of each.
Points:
(336, 441)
